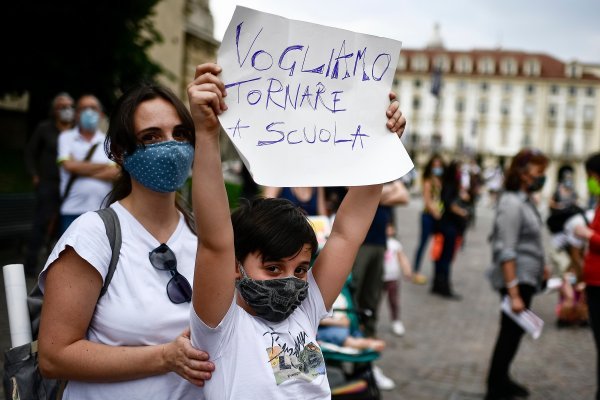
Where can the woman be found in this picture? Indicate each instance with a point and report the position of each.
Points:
(591, 263)
(133, 342)
(451, 226)
(432, 211)
(518, 262)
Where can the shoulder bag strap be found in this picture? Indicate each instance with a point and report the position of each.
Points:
(72, 178)
(113, 232)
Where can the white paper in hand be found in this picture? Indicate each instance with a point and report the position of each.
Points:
(526, 319)
(307, 102)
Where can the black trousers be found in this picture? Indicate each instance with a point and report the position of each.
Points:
(593, 300)
(507, 344)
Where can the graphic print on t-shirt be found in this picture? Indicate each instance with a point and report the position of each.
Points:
(300, 361)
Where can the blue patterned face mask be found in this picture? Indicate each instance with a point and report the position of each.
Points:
(162, 167)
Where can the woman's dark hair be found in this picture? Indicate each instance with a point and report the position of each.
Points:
(121, 138)
(274, 227)
(451, 177)
(429, 166)
(592, 164)
(518, 165)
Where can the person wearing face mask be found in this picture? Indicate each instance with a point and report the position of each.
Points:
(591, 262)
(134, 341)
(257, 301)
(86, 173)
(562, 205)
(432, 210)
(40, 160)
(518, 265)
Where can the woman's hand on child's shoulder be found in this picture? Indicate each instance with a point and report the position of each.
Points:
(206, 96)
(189, 363)
(396, 121)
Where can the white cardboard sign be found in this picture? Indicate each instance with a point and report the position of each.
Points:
(307, 102)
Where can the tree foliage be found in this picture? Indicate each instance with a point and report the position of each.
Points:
(77, 46)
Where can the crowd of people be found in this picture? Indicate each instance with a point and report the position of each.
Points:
(199, 299)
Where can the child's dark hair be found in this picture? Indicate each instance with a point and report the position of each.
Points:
(276, 228)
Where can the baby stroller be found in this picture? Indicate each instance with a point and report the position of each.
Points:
(350, 371)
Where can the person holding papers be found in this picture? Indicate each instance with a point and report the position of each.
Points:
(257, 301)
(518, 266)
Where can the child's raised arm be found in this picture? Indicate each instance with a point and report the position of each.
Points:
(214, 275)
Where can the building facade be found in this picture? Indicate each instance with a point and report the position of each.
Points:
(187, 30)
(494, 102)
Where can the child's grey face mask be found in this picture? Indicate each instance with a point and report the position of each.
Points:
(272, 299)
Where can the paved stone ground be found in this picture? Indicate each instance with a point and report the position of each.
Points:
(446, 350)
(447, 347)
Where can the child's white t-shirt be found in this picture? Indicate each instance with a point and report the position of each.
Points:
(391, 265)
(258, 359)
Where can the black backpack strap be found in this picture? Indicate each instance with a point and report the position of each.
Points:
(113, 232)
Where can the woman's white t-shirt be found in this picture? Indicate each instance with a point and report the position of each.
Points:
(135, 311)
(258, 359)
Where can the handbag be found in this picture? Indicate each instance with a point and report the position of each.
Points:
(22, 379)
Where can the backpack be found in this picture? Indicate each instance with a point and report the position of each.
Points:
(22, 378)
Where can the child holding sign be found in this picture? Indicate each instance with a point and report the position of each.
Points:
(256, 301)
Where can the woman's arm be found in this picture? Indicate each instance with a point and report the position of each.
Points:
(394, 194)
(71, 292)
(509, 272)
(271, 191)
(215, 271)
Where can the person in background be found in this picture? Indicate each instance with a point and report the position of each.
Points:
(394, 261)
(432, 210)
(565, 195)
(562, 206)
(591, 263)
(494, 180)
(133, 342)
(40, 159)
(452, 226)
(337, 329)
(310, 199)
(86, 173)
(367, 271)
(518, 265)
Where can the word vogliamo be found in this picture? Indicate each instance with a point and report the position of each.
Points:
(340, 63)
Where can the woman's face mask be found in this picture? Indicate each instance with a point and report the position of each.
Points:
(66, 114)
(272, 299)
(437, 171)
(162, 167)
(537, 184)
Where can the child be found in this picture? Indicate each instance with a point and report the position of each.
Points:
(256, 301)
(337, 329)
(394, 260)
